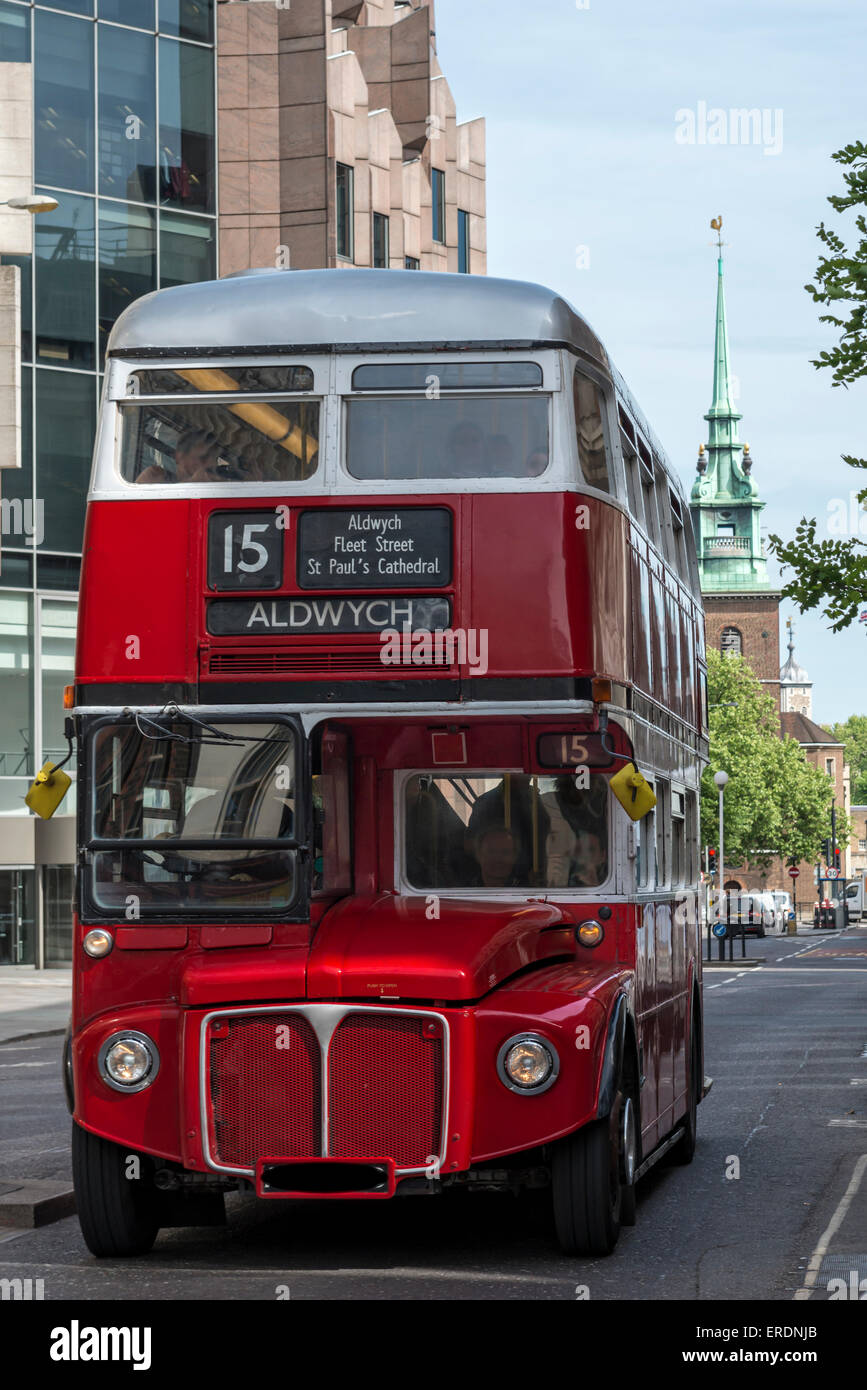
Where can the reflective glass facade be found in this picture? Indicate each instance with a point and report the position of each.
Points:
(124, 138)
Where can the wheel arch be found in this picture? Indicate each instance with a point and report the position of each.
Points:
(621, 1043)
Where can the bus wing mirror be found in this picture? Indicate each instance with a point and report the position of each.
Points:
(633, 791)
(47, 791)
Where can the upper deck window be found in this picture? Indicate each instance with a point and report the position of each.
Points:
(445, 376)
(434, 436)
(213, 441)
(590, 431)
(187, 381)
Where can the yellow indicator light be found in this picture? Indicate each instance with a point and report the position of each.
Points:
(69, 697)
(633, 791)
(47, 791)
(601, 692)
(590, 933)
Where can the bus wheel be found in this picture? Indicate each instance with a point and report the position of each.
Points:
(587, 1190)
(118, 1214)
(684, 1149)
(629, 1151)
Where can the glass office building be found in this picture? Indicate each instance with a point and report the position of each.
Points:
(123, 102)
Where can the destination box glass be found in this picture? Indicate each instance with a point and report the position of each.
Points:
(375, 548)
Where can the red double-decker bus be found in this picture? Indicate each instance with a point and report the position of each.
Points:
(387, 587)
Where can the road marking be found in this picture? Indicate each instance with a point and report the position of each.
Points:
(7, 1233)
(814, 970)
(833, 1226)
(848, 1123)
(398, 1272)
(10, 1065)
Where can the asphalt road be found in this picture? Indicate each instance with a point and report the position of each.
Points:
(780, 1138)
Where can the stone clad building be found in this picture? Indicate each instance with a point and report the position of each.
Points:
(338, 140)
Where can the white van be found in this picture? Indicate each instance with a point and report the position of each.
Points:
(855, 899)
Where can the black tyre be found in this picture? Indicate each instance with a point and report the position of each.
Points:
(118, 1215)
(587, 1191)
(684, 1150)
(593, 1177)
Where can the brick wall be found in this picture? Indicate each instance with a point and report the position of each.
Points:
(757, 618)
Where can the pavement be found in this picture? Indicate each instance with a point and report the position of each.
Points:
(33, 1003)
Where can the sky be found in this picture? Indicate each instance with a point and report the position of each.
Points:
(594, 189)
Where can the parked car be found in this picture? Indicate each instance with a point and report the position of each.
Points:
(754, 914)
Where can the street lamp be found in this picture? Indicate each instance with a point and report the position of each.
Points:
(721, 779)
(32, 203)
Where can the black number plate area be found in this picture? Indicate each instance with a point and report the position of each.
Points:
(245, 550)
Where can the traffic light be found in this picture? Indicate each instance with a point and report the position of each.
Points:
(837, 859)
(826, 851)
(711, 861)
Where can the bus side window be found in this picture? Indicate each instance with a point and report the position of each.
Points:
(332, 859)
(630, 462)
(679, 860)
(645, 851)
(645, 471)
(663, 830)
(590, 431)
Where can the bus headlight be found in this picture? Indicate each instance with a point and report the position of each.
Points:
(129, 1061)
(528, 1064)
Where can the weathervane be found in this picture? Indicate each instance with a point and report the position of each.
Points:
(716, 223)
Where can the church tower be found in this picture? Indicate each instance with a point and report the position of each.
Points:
(741, 606)
(796, 688)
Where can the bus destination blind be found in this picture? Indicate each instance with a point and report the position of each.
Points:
(375, 548)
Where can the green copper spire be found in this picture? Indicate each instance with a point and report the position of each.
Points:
(722, 401)
(725, 502)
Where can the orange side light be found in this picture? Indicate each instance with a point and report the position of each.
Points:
(69, 697)
(601, 692)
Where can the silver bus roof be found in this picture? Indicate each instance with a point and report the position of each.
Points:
(284, 311)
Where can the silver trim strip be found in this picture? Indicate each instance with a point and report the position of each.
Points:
(324, 1019)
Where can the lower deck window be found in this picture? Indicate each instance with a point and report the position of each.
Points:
(507, 830)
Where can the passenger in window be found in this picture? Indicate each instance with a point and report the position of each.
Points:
(435, 852)
(501, 456)
(466, 451)
(196, 456)
(574, 812)
(496, 850)
(536, 463)
(590, 861)
(512, 805)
